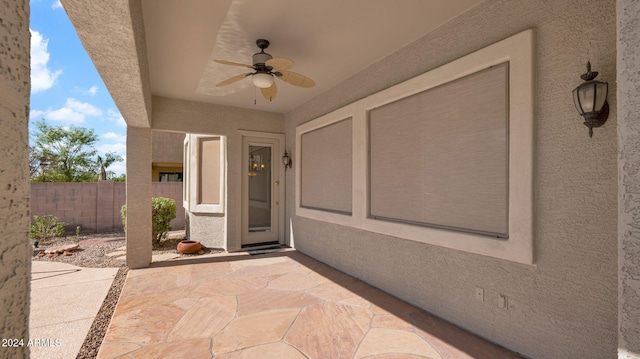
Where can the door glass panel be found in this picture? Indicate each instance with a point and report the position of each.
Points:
(259, 162)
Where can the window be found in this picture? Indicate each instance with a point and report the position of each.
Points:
(440, 157)
(207, 173)
(444, 158)
(326, 168)
(170, 177)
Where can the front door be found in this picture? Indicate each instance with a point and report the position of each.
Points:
(262, 192)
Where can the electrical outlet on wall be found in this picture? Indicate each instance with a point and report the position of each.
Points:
(480, 294)
(503, 301)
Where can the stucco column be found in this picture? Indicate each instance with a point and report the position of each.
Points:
(139, 194)
(15, 246)
(628, 82)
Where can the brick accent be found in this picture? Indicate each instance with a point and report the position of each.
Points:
(95, 207)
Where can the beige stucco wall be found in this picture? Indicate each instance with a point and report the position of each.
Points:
(565, 305)
(629, 176)
(167, 147)
(139, 194)
(216, 231)
(15, 246)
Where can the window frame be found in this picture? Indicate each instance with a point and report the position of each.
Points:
(194, 142)
(518, 51)
(301, 196)
(502, 158)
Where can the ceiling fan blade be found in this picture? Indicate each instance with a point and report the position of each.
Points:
(233, 79)
(296, 79)
(232, 63)
(270, 92)
(280, 63)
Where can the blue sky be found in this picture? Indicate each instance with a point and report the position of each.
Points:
(66, 89)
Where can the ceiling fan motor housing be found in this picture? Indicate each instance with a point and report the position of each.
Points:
(260, 58)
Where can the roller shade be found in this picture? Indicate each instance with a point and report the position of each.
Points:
(326, 166)
(440, 157)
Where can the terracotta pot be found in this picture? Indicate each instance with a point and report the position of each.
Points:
(189, 246)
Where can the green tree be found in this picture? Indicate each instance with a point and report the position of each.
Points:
(121, 178)
(64, 154)
(103, 162)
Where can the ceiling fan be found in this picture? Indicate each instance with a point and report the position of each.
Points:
(266, 67)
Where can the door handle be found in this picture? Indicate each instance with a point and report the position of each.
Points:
(277, 182)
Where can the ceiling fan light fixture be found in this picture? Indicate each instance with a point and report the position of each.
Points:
(262, 80)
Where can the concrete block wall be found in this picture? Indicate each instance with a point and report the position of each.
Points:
(95, 207)
(74, 203)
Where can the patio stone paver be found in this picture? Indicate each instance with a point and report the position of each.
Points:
(329, 330)
(205, 319)
(280, 305)
(278, 350)
(255, 329)
(394, 341)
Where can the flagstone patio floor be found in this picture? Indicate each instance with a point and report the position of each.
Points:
(279, 305)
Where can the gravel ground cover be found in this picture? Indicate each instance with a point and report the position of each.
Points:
(98, 329)
(92, 253)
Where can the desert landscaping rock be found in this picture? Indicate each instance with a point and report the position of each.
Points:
(62, 248)
(117, 253)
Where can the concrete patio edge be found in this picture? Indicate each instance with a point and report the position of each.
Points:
(64, 302)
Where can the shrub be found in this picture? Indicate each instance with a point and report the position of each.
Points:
(45, 228)
(163, 211)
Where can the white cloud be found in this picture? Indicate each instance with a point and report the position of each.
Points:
(115, 116)
(42, 78)
(56, 5)
(74, 112)
(118, 148)
(115, 137)
(119, 167)
(36, 114)
(92, 91)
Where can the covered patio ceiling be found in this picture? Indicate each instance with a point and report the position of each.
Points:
(172, 53)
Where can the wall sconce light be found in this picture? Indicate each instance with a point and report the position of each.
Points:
(255, 165)
(286, 160)
(590, 99)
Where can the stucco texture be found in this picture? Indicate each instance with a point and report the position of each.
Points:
(216, 231)
(167, 147)
(139, 197)
(565, 305)
(15, 246)
(629, 176)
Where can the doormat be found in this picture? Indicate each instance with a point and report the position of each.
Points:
(255, 252)
(273, 244)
